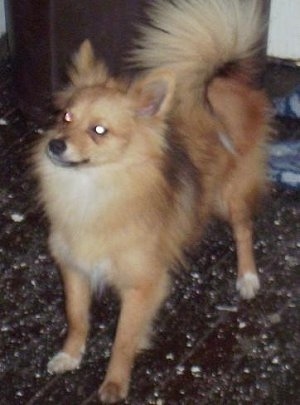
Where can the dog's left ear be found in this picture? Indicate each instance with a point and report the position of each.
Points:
(153, 93)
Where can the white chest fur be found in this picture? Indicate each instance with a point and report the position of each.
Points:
(77, 202)
(77, 195)
(96, 266)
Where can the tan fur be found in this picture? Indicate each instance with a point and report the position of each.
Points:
(123, 205)
(194, 38)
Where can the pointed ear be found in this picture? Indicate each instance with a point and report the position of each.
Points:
(84, 58)
(86, 70)
(154, 93)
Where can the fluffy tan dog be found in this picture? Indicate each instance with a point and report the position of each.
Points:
(131, 172)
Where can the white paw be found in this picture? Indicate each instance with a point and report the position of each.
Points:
(62, 362)
(144, 344)
(248, 285)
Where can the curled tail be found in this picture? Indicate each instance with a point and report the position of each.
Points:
(199, 39)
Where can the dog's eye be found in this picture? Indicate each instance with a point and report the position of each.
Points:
(68, 117)
(99, 130)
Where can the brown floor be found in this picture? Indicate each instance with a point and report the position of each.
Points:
(210, 347)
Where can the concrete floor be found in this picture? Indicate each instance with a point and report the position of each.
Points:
(210, 347)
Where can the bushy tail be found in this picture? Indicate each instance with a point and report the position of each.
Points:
(199, 38)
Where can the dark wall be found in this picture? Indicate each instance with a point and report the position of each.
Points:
(44, 34)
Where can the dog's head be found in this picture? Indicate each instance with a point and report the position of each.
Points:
(104, 120)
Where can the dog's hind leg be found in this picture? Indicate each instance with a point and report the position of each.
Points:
(242, 111)
(239, 216)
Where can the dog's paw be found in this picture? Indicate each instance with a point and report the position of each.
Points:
(62, 362)
(248, 285)
(112, 392)
(145, 343)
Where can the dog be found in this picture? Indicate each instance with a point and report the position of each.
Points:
(133, 169)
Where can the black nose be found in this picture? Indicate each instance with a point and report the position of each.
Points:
(57, 146)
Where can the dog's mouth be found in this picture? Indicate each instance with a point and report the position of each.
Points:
(59, 160)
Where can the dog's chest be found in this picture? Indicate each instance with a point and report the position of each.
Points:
(82, 191)
(82, 257)
(78, 197)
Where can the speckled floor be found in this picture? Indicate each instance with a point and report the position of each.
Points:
(210, 347)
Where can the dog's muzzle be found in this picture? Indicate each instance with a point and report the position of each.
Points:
(56, 152)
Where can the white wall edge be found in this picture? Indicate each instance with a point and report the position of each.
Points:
(284, 29)
(2, 18)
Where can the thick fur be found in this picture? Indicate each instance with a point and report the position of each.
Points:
(131, 172)
(197, 38)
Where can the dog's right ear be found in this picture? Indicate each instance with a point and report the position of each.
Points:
(86, 70)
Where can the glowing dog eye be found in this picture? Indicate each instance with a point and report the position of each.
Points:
(68, 117)
(100, 130)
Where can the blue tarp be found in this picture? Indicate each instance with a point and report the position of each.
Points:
(284, 161)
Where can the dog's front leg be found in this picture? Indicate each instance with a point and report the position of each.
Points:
(139, 306)
(77, 302)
